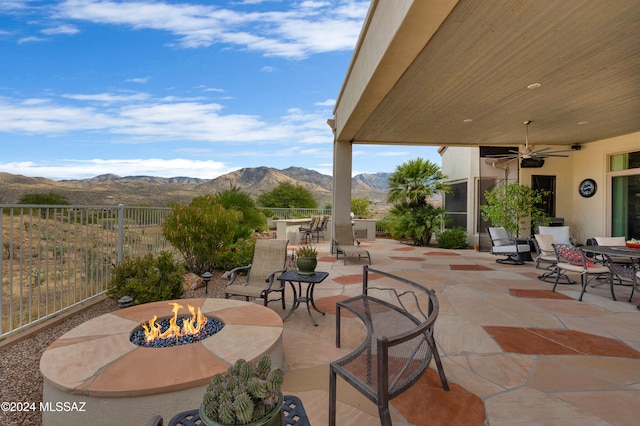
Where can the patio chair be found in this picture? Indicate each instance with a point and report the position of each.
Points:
(322, 226)
(344, 243)
(561, 234)
(399, 319)
(269, 259)
(308, 230)
(613, 242)
(623, 274)
(546, 257)
(573, 259)
(503, 245)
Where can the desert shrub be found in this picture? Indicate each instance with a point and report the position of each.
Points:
(253, 219)
(50, 198)
(200, 230)
(455, 238)
(147, 279)
(234, 255)
(414, 222)
(360, 206)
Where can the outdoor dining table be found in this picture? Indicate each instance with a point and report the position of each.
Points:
(631, 267)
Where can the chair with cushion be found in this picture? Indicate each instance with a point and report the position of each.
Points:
(503, 245)
(344, 243)
(613, 242)
(561, 234)
(269, 259)
(573, 259)
(546, 257)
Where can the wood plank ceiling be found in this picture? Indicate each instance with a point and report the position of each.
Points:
(584, 53)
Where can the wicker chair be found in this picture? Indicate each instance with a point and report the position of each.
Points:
(269, 260)
(399, 344)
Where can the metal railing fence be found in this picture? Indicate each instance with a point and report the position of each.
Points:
(56, 257)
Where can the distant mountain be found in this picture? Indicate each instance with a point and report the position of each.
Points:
(110, 189)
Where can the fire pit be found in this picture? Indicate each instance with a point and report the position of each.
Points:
(96, 365)
(175, 330)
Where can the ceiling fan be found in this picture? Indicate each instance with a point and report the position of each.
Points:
(528, 153)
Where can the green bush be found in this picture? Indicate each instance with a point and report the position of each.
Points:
(235, 255)
(201, 229)
(148, 279)
(455, 238)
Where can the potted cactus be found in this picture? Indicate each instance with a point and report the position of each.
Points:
(306, 260)
(246, 394)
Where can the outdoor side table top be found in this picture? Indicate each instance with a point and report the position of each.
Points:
(293, 276)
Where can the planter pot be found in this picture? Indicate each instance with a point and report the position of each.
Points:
(273, 418)
(306, 265)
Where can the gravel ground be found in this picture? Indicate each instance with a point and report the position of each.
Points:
(20, 378)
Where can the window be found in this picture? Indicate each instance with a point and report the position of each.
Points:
(625, 194)
(456, 205)
(548, 185)
(484, 184)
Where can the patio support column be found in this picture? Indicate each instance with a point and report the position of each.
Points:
(342, 157)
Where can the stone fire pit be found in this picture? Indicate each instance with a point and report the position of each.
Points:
(97, 368)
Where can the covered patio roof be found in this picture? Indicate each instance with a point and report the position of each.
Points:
(459, 73)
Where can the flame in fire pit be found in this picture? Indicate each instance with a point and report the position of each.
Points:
(190, 326)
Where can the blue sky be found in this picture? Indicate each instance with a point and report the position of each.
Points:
(176, 87)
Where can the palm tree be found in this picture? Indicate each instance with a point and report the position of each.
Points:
(415, 181)
(410, 188)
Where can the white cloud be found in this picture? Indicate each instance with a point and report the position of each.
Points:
(107, 97)
(327, 103)
(141, 80)
(31, 39)
(137, 117)
(61, 29)
(80, 169)
(295, 33)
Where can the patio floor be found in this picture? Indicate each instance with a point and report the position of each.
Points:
(513, 351)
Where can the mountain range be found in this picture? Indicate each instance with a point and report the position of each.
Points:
(111, 189)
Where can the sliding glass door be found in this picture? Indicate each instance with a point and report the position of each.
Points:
(625, 195)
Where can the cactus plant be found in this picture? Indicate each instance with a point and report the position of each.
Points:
(245, 393)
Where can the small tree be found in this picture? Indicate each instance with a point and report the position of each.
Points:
(199, 230)
(288, 195)
(513, 206)
(360, 206)
(410, 187)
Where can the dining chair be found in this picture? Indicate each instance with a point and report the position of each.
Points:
(573, 259)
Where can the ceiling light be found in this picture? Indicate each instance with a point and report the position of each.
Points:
(468, 120)
(534, 86)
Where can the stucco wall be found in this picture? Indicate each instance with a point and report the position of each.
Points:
(587, 217)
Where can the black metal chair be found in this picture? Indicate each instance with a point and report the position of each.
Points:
(573, 259)
(399, 344)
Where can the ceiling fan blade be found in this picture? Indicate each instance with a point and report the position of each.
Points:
(541, 150)
(498, 156)
(551, 155)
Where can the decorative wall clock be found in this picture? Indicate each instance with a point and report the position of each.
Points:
(587, 188)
